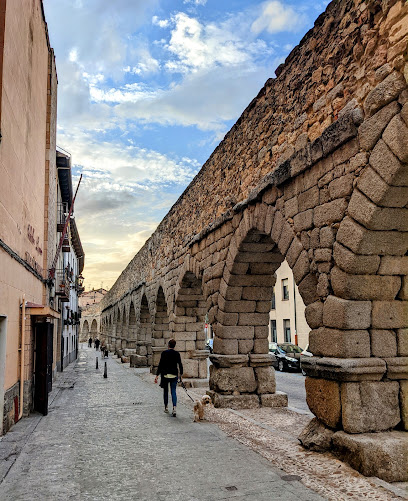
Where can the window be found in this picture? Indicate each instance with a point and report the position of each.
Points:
(285, 289)
(273, 304)
(286, 331)
(274, 335)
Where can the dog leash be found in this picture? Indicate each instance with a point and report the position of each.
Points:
(184, 387)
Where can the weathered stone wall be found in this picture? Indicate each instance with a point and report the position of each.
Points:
(333, 70)
(314, 172)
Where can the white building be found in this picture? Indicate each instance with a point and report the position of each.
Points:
(70, 265)
(287, 322)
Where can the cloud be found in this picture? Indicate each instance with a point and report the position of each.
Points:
(205, 99)
(128, 165)
(196, 2)
(162, 23)
(221, 66)
(199, 46)
(276, 17)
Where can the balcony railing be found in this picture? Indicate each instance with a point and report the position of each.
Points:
(62, 215)
(63, 285)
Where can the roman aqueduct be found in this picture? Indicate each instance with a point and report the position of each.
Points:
(314, 172)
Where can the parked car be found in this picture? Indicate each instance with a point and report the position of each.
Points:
(287, 356)
(305, 353)
(209, 345)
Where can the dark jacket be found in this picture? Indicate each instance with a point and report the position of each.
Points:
(169, 361)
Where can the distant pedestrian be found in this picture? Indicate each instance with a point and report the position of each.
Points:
(97, 343)
(90, 342)
(170, 369)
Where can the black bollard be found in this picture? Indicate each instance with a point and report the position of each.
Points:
(97, 362)
(105, 372)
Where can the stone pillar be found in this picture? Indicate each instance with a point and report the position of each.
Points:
(244, 381)
(201, 356)
(156, 353)
(356, 382)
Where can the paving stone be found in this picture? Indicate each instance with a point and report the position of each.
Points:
(109, 440)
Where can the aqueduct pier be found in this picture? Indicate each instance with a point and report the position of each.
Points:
(314, 172)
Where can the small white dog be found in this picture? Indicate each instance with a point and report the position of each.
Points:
(199, 407)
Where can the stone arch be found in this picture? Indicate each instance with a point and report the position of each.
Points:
(242, 316)
(132, 327)
(85, 331)
(144, 352)
(360, 329)
(94, 329)
(161, 329)
(190, 310)
(125, 320)
(118, 333)
(110, 331)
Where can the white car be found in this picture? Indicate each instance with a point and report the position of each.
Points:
(306, 352)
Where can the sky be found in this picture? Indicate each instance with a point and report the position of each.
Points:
(146, 91)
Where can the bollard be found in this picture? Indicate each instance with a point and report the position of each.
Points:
(105, 372)
(97, 362)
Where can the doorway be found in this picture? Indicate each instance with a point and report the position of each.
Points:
(3, 342)
(44, 337)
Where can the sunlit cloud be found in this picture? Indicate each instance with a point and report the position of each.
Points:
(276, 17)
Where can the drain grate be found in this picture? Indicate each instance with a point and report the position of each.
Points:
(291, 478)
(231, 488)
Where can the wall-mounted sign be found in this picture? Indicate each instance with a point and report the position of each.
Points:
(33, 263)
(35, 241)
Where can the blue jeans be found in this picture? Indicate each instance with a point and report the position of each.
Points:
(173, 386)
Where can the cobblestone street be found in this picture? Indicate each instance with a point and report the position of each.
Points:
(109, 439)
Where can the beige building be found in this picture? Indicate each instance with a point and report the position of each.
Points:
(287, 321)
(91, 297)
(31, 189)
(28, 85)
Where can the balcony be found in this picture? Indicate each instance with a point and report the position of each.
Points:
(62, 215)
(63, 285)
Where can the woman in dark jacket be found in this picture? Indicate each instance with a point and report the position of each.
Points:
(170, 369)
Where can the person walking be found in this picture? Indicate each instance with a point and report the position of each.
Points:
(171, 370)
(90, 342)
(97, 342)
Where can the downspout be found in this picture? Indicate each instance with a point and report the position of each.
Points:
(294, 304)
(23, 308)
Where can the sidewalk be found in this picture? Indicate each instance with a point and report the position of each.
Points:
(109, 439)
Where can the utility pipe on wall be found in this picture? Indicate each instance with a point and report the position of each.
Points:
(22, 349)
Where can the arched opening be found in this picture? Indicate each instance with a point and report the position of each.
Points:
(85, 331)
(124, 342)
(111, 331)
(118, 333)
(190, 310)
(242, 374)
(132, 328)
(144, 339)
(161, 331)
(94, 329)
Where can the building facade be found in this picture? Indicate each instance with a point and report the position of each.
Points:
(91, 297)
(70, 264)
(27, 166)
(31, 189)
(287, 321)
